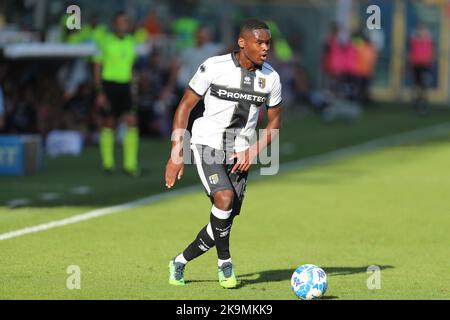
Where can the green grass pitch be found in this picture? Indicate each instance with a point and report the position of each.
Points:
(386, 207)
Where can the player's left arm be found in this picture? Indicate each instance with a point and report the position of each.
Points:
(247, 157)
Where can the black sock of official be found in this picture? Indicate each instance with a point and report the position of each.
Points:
(221, 222)
(200, 245)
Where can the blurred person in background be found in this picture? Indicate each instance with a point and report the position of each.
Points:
(333, 60)
(366, 59)
(349, 76)
(154, 116)
(153, 25)
(23, 116)
(185, 66)
(113, 74)
(421, 56)
(183, 28)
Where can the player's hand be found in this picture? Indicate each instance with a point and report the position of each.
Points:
(101, 100)
(174, 171)
(244, 160)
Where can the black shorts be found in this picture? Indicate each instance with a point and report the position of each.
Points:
(421, 76)
(119, 99)
(216, 175)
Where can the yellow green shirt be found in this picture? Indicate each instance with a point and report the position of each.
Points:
(117, 56)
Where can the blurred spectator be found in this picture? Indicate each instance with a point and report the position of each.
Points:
(301, 86)
(152, 24)
(282, 58)
(154, 117)
(72, 75)
(333, 59)
(77, 115)
(184, 67)
(191, 58)
(366, 55)
(93, 31)
(281, 47)
(184, 30)
(421, 56)
(23, 116)
(348, 88)
(340, 65)
(139, 33)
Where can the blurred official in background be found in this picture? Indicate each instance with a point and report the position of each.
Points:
(113, 74)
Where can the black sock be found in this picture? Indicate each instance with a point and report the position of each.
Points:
(199, 246)
(221, 230)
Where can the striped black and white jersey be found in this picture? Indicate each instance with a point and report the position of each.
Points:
(232, 97)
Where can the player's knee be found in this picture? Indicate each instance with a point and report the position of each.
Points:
(223, 199)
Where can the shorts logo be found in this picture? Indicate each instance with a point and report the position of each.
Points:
(214, 179)
(262, 83)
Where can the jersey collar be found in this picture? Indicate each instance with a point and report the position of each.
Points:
(237, 64)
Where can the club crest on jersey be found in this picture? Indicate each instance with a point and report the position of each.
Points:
(262, 83)
(214, 179)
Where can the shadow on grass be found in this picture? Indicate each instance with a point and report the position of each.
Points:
(286, 274)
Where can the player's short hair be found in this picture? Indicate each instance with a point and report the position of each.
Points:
(252, 24)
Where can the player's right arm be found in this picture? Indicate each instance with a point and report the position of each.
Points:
(198, 86)
(175, 166)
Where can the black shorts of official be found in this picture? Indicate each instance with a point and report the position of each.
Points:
(215, 174)
(421, 75)
(119, 99)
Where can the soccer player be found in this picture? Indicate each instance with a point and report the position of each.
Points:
(113, 72)
(234, 87)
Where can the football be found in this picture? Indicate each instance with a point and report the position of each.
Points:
(309, 282)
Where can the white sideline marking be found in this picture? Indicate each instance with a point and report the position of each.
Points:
(410, 136)
(95, 213)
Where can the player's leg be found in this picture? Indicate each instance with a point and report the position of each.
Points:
(201, 244)
(107, 124)
(221, 220)
(214, 178)
(212, 172)
(216, 233)
(106, 142)
(131, 144)
(123, 107)
(227, 278)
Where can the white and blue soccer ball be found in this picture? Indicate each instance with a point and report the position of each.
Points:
(309, 282)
